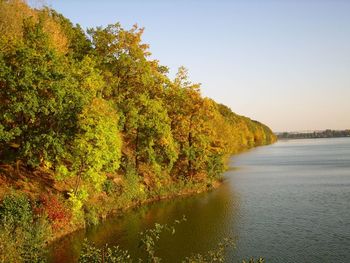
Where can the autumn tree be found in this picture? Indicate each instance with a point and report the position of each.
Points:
(83, 106)
(13, 13)
(34, 87)
(42, 92)
(136, 85)
(96, 147)
(190, 118)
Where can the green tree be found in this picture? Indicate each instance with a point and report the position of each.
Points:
(34, 87)
(42, 93)
(136, 85)
(153, 138)
(96, 148)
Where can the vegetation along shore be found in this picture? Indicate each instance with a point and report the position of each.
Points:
(91, 125)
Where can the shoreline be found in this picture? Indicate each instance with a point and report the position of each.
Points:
(111, 205)
(201, 187)
(133, 205)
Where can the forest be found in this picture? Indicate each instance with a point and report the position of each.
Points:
(90, 124)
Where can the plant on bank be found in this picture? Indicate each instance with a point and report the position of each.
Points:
(149, 243)
(23, 235)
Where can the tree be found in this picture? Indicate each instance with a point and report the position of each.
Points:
(96, 148)
(42, 93)
(190, 117)
(135, 85)
(78, 44)
(153, 138)
(34, 86)
(13, 13)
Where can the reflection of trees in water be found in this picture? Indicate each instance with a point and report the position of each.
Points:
(210, 218)
(68, 248)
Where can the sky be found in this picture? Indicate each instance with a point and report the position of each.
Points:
(284, 63)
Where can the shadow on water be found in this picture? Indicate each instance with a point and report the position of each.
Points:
(210, 218)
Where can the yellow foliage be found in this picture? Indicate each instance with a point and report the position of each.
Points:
(12, 15)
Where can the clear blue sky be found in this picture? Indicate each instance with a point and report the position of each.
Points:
(284, 63)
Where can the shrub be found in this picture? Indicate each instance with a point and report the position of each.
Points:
(252, 260)
(55, 210)
(92, 254)
(77, 201)
(215, 255)
(148, 242)
(134, 190)
(34, 245)
(15, 210)
(22, 236)
(9, 244)
(90, 216)
(108, 186)
(215, 166)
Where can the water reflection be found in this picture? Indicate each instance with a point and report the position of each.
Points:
(210, 217)
(288, 202)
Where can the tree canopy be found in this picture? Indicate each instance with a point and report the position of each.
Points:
(91, 105)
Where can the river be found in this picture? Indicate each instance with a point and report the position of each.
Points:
(286, 202)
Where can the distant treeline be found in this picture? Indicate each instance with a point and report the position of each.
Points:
(315, 134)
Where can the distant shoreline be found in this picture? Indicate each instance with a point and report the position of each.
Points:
(314, 135)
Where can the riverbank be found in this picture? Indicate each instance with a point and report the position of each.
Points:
(256, 203)
(42, 189)
(113, 207)
(38, 202)
(50, 199)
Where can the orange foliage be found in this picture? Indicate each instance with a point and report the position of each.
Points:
(12, 15)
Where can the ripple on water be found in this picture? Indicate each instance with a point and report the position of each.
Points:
(288, 202)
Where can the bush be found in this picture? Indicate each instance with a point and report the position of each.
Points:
(215, 166)
(215, 255)
(9, 243)
(252, 260)
(77, 201)
(55, 210)
(22, 236)
(34, 245)
(15, 210)
(90, 216)
(108, 186)
(148, 243)
(134, 190)
(92, 254)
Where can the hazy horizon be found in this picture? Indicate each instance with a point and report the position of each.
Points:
(283, 64)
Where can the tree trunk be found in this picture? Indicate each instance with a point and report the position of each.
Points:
(137, 149)
(190, 172)
(77, 182)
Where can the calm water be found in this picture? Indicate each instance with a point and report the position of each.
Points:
(288, 202)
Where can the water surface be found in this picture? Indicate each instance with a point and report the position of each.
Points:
(287, 202)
